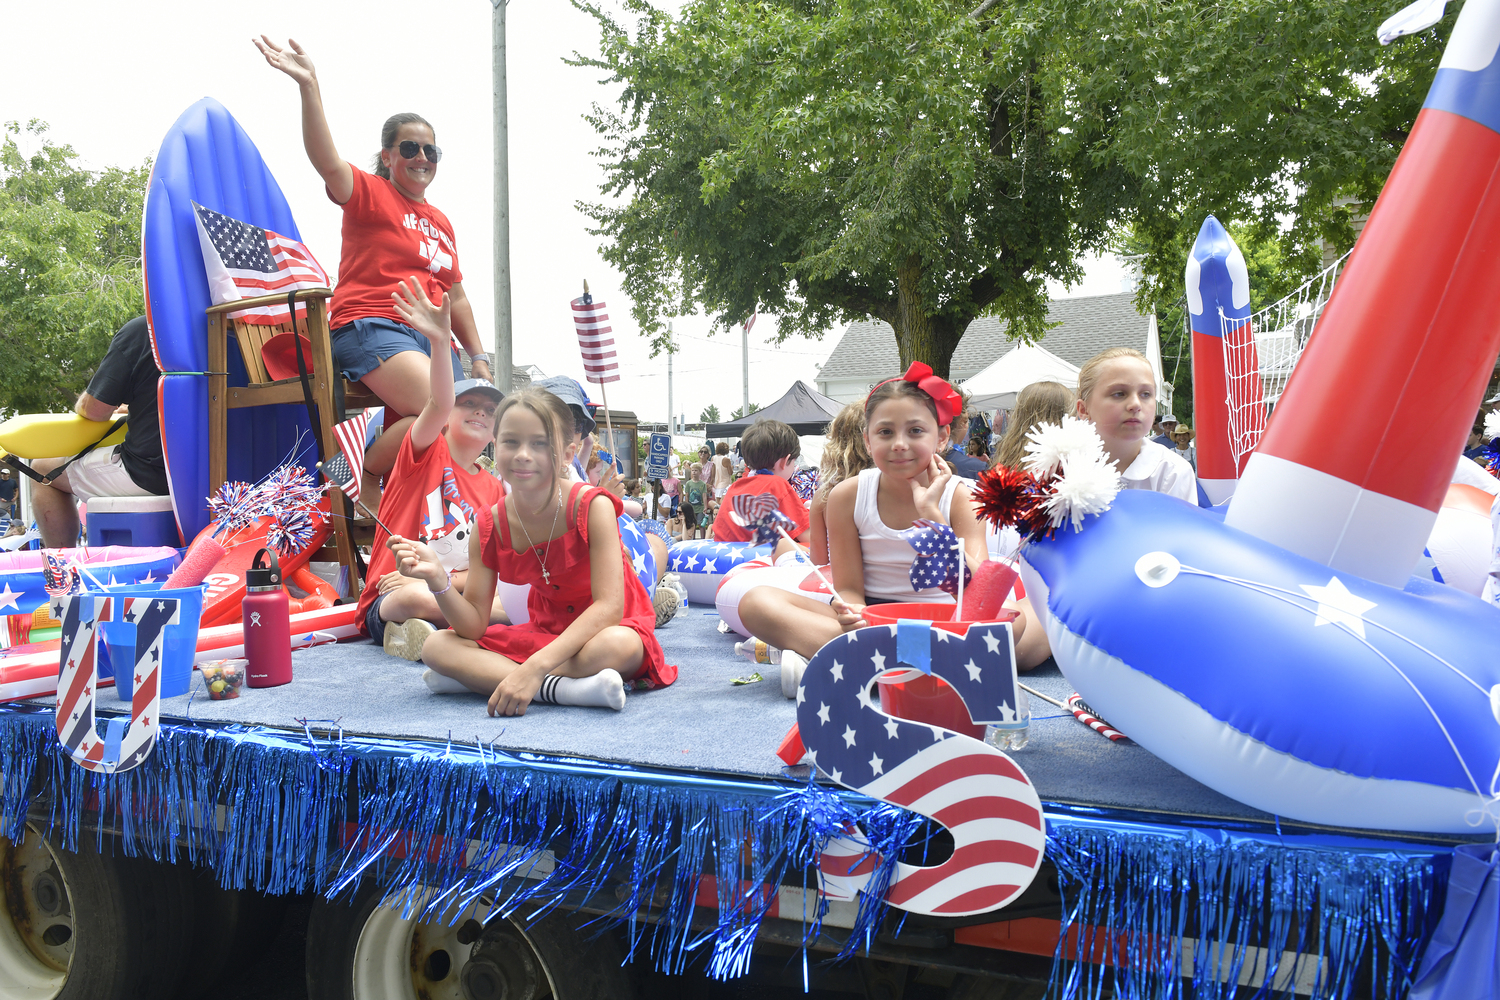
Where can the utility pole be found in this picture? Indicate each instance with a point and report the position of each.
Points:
(671, 413)
(745, 369)
(502, 368)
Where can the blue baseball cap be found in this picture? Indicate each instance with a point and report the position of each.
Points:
(569, 391)
(479, 385)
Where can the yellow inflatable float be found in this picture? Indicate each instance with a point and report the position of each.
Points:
(54, 435)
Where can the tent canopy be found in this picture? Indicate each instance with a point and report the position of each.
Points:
(995, 387)
(806, 410)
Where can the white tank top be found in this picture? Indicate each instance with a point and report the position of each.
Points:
(888, 556)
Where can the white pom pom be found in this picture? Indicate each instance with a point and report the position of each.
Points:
(1050, 444)
(1088, 485)
(1492, 425)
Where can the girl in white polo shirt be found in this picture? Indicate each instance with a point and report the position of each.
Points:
(1117, 394)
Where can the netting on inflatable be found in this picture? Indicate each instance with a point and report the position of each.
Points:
(1261, 351)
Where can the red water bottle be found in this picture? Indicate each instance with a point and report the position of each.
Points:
(268, 630)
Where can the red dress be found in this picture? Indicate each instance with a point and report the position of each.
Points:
(557, 604)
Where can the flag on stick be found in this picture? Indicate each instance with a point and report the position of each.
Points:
(596, 340)
(347, 469)
(244, 261)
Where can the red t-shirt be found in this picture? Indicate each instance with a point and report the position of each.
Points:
(428, 498)
(387, 238)
(725, 530)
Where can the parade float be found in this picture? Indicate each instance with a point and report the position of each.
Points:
(1312, 737)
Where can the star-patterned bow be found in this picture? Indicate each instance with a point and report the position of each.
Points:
(804, 484)
(59, 575)
(939, 556)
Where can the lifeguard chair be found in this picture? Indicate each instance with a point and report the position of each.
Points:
(331, 395)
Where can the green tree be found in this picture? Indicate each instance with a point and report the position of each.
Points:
(924, 163)
(740, 411)
(710, 414)
(70, 267)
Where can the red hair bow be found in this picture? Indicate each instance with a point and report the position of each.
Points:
(946, 398)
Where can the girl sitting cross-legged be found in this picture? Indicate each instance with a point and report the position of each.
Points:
(591, 627)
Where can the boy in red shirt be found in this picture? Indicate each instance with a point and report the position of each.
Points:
(771, 450)
(435, 492)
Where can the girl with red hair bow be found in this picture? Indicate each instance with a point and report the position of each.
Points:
(907, 425)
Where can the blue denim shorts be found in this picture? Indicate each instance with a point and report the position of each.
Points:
(360, 347)
(374, 627)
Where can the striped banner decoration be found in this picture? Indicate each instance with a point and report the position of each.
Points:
(596, 341)
(974, 790)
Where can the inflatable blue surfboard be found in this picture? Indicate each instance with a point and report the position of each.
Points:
(207, 157)
(1301, 690)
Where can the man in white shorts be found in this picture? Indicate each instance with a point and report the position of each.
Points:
(125, 382)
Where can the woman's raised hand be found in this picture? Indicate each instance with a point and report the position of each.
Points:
(417, 311)
(292, 60)
(928, 499)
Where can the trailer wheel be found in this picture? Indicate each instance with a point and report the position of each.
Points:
(87, 925)
(364, 950)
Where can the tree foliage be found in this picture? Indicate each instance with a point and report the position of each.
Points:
(710, 414)
(70, 267)
(740, 411)
(924, 163)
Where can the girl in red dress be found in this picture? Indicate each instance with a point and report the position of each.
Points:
(592, 626)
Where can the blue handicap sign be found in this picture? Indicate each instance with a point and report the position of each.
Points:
(657, 456)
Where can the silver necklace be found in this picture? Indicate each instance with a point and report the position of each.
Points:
(542, 559)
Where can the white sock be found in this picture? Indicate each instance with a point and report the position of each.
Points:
(606, 689)
(792, 668)
(441, 683)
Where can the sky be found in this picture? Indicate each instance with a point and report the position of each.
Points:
(111, 78)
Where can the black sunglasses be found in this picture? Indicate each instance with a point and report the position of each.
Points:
(409, 150)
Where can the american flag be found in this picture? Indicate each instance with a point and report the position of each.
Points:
(980, 794)
(245, 261)
(347, 469)
(125, 744)
(596, 341)
(747, 509)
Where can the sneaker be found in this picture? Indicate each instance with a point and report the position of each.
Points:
(405, 639)
(666, 603)
(792, 667)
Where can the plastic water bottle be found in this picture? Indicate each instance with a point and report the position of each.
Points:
(268, 630)
(674, 582)
(756, 651)
(1012, 735)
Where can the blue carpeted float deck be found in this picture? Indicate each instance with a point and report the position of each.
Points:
(703, 722)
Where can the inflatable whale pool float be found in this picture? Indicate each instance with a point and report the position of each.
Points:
(1297, 689)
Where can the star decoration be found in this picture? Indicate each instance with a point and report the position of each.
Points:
(801, 694)
(1007, 714)
(943, 635)
(876, 764)
(848, 736)
(639, 562)
(148, 578)
(837, 775)
(823, 715)
(8, 598)
(938, 732)
(838, 670)
(130, 616)
(972, 669)
(161, 606)
(865, 701)
(992, 642)
(891, 728)
(879, 660)
(1337, 606)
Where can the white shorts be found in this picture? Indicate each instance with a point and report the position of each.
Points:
(101, 473)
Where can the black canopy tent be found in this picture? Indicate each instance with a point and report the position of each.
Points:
(807, 411)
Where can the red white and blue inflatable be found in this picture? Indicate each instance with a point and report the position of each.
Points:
(1288, 656)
